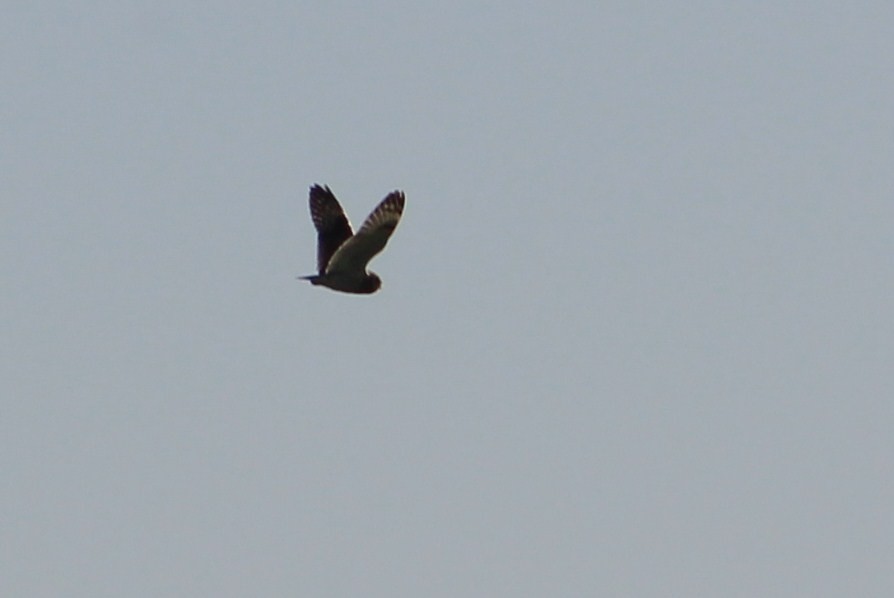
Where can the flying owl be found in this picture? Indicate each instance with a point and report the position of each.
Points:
(342, 255)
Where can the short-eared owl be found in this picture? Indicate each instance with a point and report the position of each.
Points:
(342, 256)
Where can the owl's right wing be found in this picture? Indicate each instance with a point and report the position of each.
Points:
(356, 252)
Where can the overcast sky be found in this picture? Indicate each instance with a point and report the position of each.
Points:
(634, 336)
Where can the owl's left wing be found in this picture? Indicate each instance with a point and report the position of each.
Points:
(355, 253)
(332, 225)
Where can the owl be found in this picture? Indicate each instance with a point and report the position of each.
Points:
(342, 255)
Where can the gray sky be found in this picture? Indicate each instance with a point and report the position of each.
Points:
(634, 339)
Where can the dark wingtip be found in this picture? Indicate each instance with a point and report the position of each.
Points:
(397, 196)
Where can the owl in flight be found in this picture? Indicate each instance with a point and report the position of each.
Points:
(342, 256)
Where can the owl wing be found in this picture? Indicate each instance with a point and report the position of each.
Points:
(333, 228)
(355, 253)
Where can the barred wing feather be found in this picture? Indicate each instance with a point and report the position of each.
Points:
(355, 253)
(333, 228)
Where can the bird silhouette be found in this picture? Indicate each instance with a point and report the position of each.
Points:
(342, 255)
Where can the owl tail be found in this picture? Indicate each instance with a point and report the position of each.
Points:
(313, 278)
